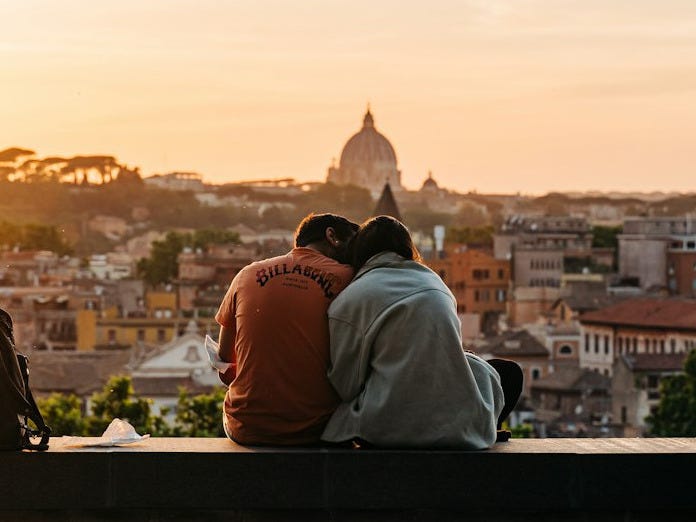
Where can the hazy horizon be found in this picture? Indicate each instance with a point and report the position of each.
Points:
(493, 96)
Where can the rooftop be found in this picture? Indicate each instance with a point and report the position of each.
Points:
(661, 313)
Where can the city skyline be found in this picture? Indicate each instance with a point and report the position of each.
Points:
(500, 96)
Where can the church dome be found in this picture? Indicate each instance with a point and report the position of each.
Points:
(368, 147)
(430, 185)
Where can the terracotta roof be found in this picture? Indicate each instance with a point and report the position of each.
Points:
(167, 386)
(646, 313)
(81, 373)
(655, 361)
(514, 343)
(573, 379)
(586, 302)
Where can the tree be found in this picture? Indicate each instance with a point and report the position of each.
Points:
(605, 237)
(118, 400)
(33, 237)
(163, 266)
(200, 415)
(471, 235)
(423, 219)
(675, 415)
(63, 413)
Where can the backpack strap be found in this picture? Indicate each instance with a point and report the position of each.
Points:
(16, 394)
(32, 413)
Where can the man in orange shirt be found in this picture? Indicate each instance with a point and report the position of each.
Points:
(274, 329)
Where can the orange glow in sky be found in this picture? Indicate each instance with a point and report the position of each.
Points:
(491, 95)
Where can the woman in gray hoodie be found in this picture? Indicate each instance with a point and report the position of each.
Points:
(396, 354)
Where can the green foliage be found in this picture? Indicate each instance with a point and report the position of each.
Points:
(206, 237)
(33, 237)
(350, 201)
(522, 431)
(196, 416)
(675, 415)
(471, 235)
(118, 400)
(200, 415)
(162, 266)
(424, 220)
(63, 413)
(605, 237)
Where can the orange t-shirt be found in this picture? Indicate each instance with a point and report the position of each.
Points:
(281, 394)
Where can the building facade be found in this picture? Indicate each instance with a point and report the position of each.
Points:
(479, 282)
(655, 326)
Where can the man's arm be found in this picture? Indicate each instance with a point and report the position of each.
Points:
(226, 352)
(226, 342)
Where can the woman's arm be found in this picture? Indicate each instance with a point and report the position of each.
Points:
(348, 369)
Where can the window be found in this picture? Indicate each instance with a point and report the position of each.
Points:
(501, 273)
(111, 336)
(565, 350)
(606, 345)
(141, 335)
(596, 343)
(587, 343)
(476, 295)
(536, 373)
(161, 336)
(192, 354)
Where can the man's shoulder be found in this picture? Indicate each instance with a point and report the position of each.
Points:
(305, 257)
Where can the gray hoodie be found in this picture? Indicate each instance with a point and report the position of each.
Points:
(398, 364)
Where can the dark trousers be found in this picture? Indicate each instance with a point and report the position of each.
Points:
(511, 379)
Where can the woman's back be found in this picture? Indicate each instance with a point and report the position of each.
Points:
(399, 366)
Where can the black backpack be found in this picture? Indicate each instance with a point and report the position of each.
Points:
(17, 405)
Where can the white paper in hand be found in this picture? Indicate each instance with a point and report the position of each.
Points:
(213, 350)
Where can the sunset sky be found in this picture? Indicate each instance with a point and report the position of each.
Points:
(491, 95)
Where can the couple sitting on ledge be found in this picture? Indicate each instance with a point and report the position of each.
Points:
(348, 338)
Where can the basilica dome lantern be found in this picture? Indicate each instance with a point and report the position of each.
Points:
(368, 160)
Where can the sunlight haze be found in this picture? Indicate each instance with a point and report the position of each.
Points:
(493, 96)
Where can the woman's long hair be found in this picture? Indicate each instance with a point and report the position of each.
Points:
(382, 234)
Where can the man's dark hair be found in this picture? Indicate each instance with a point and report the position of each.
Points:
(382, 234)
(313, 228)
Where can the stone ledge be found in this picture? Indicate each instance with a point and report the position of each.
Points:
(202, 477)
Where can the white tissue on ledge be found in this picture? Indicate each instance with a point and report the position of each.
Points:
(122, 432)
(213, 350)
(119, 432)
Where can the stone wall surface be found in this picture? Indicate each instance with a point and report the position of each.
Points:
(215, 479)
